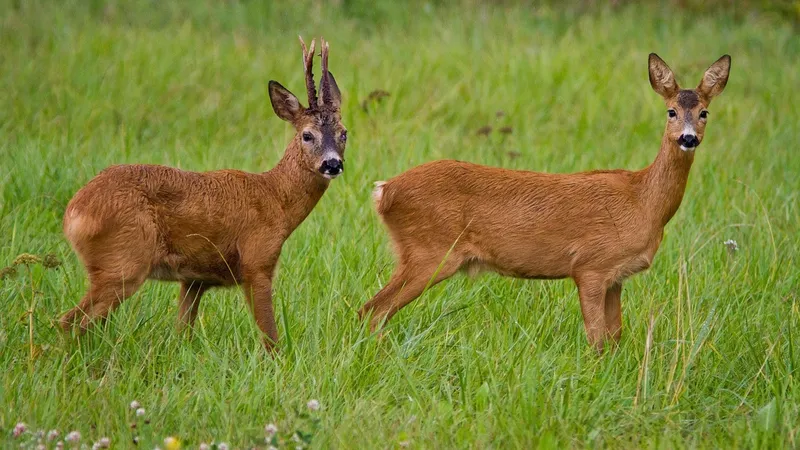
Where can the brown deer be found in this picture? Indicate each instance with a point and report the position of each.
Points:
(597, 228)
(219, 228)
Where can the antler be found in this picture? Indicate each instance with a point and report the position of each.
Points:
(308, 66)
(325, 84)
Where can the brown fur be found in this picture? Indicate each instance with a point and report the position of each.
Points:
(596, 227)
(220, 228)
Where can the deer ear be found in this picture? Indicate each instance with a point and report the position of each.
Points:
(715, 78)
(284, 103)
(661, 77)
(336, 95)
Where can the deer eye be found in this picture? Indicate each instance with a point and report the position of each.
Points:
(343, 137)
(308, 137)
(671, 113)
(704, 114)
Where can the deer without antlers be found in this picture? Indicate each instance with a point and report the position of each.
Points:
(219, 228)
(597, 228)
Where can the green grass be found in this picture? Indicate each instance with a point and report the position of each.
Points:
(487, 362)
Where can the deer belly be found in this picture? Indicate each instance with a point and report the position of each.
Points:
(179, 268)
(530, 261)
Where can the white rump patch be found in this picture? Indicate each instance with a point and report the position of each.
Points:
(75, 222)
(377, 193)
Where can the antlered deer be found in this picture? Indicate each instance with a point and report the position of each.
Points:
(596, 227)
(219, 228)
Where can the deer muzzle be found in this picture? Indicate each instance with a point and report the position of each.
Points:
(331, 167)
(688, 142)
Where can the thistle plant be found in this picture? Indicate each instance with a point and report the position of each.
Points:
(27, 260)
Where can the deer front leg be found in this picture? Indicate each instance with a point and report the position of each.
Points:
(592, 292)
(258, 267)
(613, 307)
(258, 292)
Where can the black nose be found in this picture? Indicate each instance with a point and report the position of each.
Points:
(331, 166)
(688, 141)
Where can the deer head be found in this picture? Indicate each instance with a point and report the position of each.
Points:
(686, 108)
(321, 137)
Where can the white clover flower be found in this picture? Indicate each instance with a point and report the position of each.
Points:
(313, 405)
(204, 446)
(140, 412)
(60, 445)
(135, 405)
(52, 435)
(19, 428)
(271, 429)
(271, 448)
(222, 446)
(73, 437)
(104, 442)
(41, 447)
(732, 246)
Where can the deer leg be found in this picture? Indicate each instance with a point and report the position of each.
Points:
(106, 292)
(258, 264)
(258, 291)
(189, 302)
(379, 306)
(592, 292)
(407, 283)
(613, 312)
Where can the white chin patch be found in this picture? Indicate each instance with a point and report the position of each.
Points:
(329, 176)
(687, 149)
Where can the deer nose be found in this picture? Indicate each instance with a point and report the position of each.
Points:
(688, 141)
(332, 167)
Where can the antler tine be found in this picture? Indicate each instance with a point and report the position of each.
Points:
(325, 84)
(308, 66)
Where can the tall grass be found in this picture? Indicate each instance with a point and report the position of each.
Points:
(708, 354)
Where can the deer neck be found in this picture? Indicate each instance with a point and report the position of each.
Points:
(297, 188)
(664, 181)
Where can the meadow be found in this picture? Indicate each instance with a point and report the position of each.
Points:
(707, 357)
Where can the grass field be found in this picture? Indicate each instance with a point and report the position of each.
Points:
(489, 362)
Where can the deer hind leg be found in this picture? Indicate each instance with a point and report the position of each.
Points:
(408, 281)
(117, 260)
(189, 302)
(107, 291)
(613, 312)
